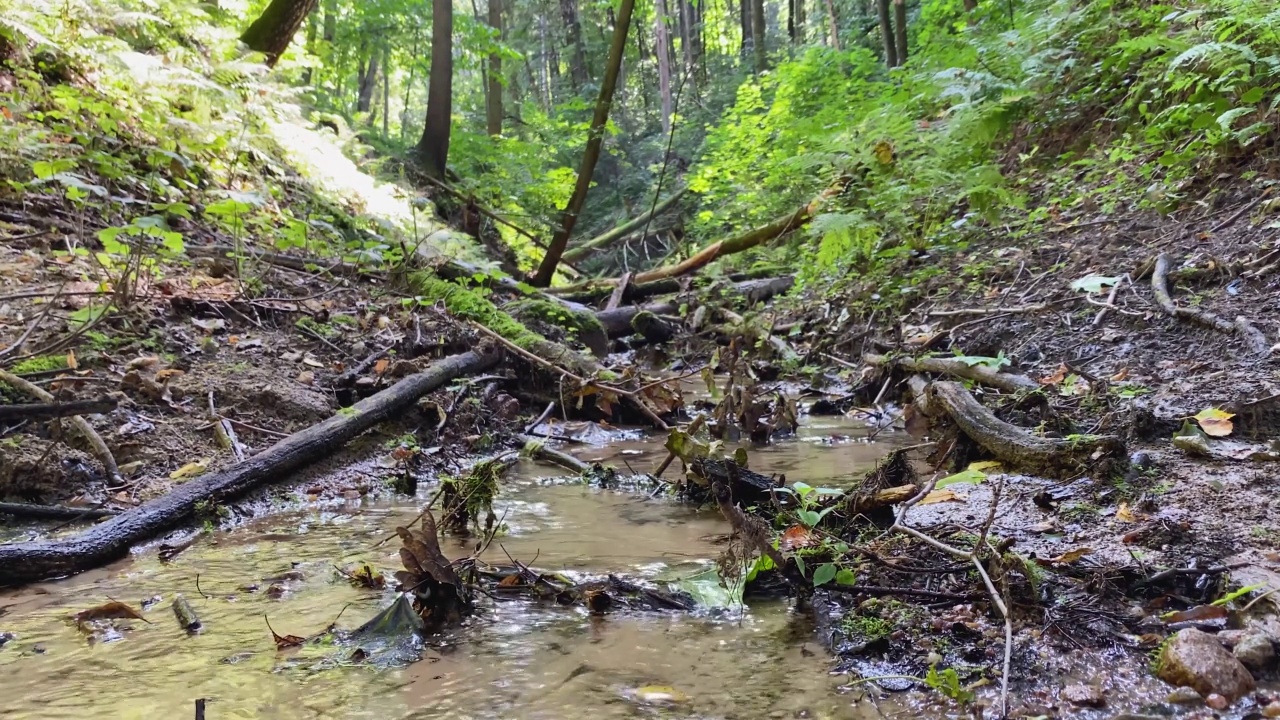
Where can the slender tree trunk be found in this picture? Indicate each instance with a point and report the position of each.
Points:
(368, 78)
(900, 29)
(744, 15)
(791, 21)
(801, 20)
(835, 23)
(664, 61)
(386, 92)
(274, 29)
(757, 35)
(573, 43)
(886, 32)
(313, 29)
(493, 108)
(433, 148)
(970, 5)
(592, 153)
(330, 20)
(408, 87)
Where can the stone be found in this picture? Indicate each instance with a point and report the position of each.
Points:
(1272, 710)
(1255, 651)
(1184, 695)
(1083, 695)
(1197, 660)
(1216, 701)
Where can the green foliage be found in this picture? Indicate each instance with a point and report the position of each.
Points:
(39, 364)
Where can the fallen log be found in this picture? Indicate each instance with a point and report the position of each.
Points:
(596, 290)
(1018, 448)
(583, 250)
(50, 411)
(537, 448)
(618, 322)
(957, 368)
(1252, 336)
(28, 562)
(54, 512)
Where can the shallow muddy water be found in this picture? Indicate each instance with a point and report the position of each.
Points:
(515, 660)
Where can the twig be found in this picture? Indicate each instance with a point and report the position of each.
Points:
(308, 331)
(551, 407)
(909, 592)
(1253, 337)
(991, 311)
(81, 425)
(17, 344)
(694, 427)
(1111, 300)
(1236, 215)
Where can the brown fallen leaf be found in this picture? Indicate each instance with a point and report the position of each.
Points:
(1121, 376)
(510, 581)
(943, 495)
(381, 366)
(796, 537)
(1215, 422)
(283, 641)
(1125, 514)
(1198, 613)
(1067, 557)
(113, 610)
(1057, 377)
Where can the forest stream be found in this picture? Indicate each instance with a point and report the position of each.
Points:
(514, 659)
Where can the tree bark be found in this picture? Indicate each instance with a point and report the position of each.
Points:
(664, 61)
(573, 42)
(274, 29)
(433, 148)
(591, 155)
(330, 20)
(386, 92)
(368, 77)
(757, 35)
(886, 33)
(900, 29)
(29, 562)
(744, 16)
(835, 24)
(493, 109)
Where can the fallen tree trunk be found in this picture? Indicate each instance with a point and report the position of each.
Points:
(617, 322)
(1016, 447)
(49, 411)
(1252, 336)
(958, 368)
(738, 243)
(583, 250)
(595, 290)
(28, 562)
(54, 512)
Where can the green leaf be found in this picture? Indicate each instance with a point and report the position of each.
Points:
(1237, 594)
(808, 518)
(1095, 283)
(762, 563)
(964, 477)
(685, 446)
(802, 489)
(1252, 96)
(846, 577)
(824, 574)
(800, 565)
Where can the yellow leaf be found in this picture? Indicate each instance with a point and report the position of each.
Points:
(1215, 422)
(1121, 376)
(71, 360)
(381, 366)
(943, 495)
(1069, 556)
(986, 466)
(190, 470)
(1126, 514)
(884, 152)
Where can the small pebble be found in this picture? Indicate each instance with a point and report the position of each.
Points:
(1272, 710)
(1184, 695)
(1216, 701)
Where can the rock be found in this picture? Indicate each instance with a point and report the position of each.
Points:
(1272, 710)
(1256, 652)
(1229, 638)
(1184, 695)
(1195, 659)
(1083, 695)
(1216, 701)
(6, 637)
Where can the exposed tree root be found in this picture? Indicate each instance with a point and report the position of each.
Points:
(29, 562)
(1016, 447)
(958, 368)
(1252, 336)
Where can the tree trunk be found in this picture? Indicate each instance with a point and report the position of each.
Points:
(620, 231)
(386, 92)
(368, 78)
(757, 34)
(330, 20)
(573, 42)
(592, 153)
(801, 21)
(900, 29)
(664, 61)
(791, 21)
(970, 5)
(433, 148)
(835, 24)
(313, 29)
(886, 33)
(744, 15)
(493, 109)
(274, 29)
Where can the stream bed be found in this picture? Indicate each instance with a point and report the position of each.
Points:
(513, 660)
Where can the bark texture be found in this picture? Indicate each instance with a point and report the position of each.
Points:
(433, 148)
(274, 29)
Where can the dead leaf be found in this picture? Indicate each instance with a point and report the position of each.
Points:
(210, 325)
(168, 374)
(312, 362)
(1067, 557)
(113, 610)
(1057, 377)
(943, 495)
(381, 366)
(190, 470)
(306, 377)
(512, 580)
(1121, 376)
(1125, 514)
(145, 361)
(283, 641)
(1215, 422)
(796, 537)
(72, 364)
(1198, 613)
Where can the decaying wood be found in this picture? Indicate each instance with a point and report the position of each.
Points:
(50, 411)
(28, 562)
(1253, 337)
(81, 425)
(1018, 448)
(537, 447)
(957, 368)
(55, 512)
(617, 322)
(881, 498)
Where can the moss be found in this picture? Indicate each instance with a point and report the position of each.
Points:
(39, 364)
(472, 305)
(578, 322)
(322, 329)
(865, 627)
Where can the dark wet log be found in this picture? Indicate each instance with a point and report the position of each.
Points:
(755, 288)
(538, 449)
(55, 512)
(618, 322)
(653, 328)
(1018, 448)
(49, 411)
(28, 562)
